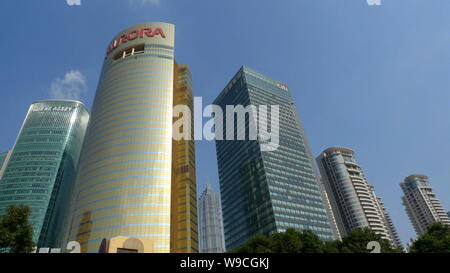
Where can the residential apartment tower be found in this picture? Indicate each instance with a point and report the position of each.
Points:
(421, 203)
(353, 200)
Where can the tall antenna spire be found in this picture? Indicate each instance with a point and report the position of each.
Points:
(208, 185)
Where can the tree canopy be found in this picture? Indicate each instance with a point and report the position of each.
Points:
(16, 233)
(359, 239)
(435, 240)
(305, 241)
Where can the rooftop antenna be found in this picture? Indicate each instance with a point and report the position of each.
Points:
(208, 185)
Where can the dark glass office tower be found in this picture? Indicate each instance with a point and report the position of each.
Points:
(41, 169)
(267, 191)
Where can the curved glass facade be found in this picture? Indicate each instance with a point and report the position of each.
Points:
(123, 186)
(41, 170)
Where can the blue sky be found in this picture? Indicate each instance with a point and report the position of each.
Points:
(372, 78)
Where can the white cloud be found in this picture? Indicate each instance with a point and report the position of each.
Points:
(144, 2)
(72, 86)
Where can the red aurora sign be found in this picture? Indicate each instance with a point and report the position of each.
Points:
(135, 34)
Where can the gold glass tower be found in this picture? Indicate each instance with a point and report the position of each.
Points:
(184, 237)
(124, 181)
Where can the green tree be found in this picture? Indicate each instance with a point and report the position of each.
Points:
(331, 247)
(289, 241)
(356, 242)
(16, 233)
(435, 240)
(306, 241)
(258, 244)
(292, 241)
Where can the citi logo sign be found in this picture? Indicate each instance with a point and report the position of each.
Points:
(283, 86)
(73, 2)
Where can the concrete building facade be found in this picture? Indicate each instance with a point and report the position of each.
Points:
(353, 200)
(421, 203)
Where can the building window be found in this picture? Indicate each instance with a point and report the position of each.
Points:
(130, 51)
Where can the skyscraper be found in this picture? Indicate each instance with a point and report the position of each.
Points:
(184, 237)
(354, 202)
(4, 158)
(210, 222)
(394, 237)
(265, 190)
(131, 182)
(421, 203)
(41, 170)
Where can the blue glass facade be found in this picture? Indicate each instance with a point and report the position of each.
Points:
(41, 170)
(2, 158)
(268, 191)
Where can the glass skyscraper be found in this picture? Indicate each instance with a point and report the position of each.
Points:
(41, 170)
(268, 191)
(4, 158)
(183, 227)
(131, 182)
(210, 227)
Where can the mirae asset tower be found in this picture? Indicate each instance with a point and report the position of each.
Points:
(39, 170)
(135, 188)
